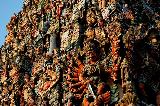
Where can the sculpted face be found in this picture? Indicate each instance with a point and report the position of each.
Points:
(153, 37)
(154, 40)
(91, 54)
(91, 19)
(26, 78)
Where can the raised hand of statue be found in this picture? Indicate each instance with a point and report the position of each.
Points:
(106, 97)
(78, 96)
(97, 101)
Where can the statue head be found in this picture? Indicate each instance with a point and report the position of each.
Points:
(91, 17)
(91, 49)
(153, 37)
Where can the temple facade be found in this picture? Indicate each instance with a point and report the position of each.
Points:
(82, 53)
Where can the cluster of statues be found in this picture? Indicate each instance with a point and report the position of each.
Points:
(82, 53)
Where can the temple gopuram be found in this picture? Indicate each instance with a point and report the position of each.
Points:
(82, 53)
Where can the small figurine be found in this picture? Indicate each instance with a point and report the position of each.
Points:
(129, 98)
(91, 17)
(102, 4)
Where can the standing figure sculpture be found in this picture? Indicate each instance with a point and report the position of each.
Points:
(147, 67)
